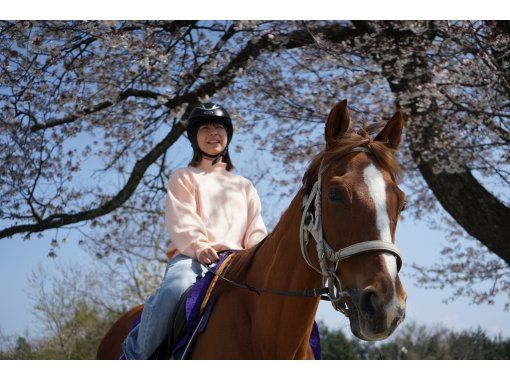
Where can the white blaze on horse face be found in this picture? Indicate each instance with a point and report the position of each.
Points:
(377, 189)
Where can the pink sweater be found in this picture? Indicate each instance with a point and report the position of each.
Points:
(211, 208)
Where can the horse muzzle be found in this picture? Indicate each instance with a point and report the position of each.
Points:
(371, 318)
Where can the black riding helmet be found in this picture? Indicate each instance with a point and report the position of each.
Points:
(203, 114)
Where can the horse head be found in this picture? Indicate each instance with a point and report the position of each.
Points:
(359, 205)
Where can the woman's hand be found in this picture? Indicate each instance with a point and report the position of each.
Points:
(207, 256)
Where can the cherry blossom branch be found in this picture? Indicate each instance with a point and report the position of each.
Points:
(137, 173)
(226, 76)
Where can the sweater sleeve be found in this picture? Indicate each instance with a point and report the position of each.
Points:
(185, 227)
(256, 229)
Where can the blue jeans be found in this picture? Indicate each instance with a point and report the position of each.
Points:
(181, 272)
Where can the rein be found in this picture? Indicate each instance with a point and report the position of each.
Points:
(329, 259)
(311, 292)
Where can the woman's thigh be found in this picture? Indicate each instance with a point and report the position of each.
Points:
(181, 272)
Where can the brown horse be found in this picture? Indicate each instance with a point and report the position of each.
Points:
(356, 214)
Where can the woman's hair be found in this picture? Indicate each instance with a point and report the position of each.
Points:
(197, 156)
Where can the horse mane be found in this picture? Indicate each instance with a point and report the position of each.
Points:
(241, 263)
(384, 155)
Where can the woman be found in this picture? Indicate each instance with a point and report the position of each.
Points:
(208, 209)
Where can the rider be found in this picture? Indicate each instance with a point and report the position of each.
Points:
(208, 209)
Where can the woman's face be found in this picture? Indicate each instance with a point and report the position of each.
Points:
(212, 139)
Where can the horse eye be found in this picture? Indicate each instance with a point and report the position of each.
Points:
(335, 195)
(403, 207)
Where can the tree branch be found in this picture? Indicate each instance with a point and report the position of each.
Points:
(96, 108)
(59, 220)
(295, 39)
(480, 213)
(251, 51)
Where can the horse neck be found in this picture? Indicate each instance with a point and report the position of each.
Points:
(281, 252)
(278, 264)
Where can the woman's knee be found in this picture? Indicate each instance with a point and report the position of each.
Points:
(179, 278)
(176, 285)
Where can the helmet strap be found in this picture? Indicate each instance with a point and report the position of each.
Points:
(215, 157)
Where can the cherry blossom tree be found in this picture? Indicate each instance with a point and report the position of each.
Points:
(92, 113)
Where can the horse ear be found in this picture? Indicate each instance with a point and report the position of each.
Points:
(391, 134)
(337, 123)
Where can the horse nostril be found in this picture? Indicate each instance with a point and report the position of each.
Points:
(370, 303)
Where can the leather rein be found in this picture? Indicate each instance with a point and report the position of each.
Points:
(329, 259)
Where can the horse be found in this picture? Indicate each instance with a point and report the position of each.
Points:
(354, 262)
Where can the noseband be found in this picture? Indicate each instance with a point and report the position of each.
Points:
(329, 259)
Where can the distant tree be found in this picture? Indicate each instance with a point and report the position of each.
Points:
(415, 341)
(78, 338)
(72, 321)
(335, 345)
(428, 342)
(80, 335)
(23, 349)
(477, 345)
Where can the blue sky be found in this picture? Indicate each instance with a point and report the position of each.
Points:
(417, 241)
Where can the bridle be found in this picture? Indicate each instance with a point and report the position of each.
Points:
(329, 259)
